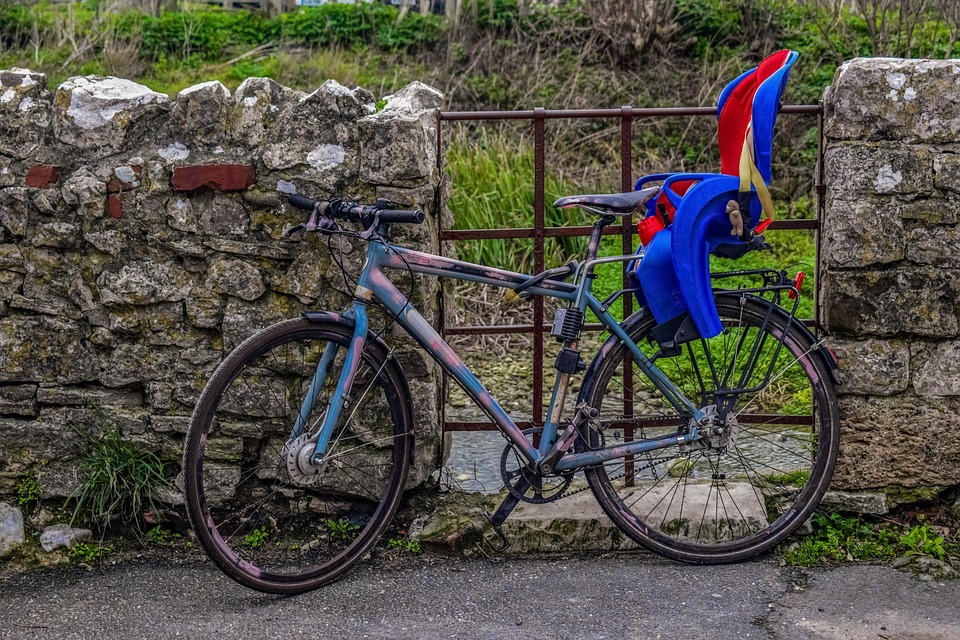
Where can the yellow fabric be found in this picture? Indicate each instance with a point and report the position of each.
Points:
(749, 174)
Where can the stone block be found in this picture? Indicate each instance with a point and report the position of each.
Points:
(869, 502)
(317, 135)
(939, 246)
(8, 177)
(100, 114)
(938, 372)
(862, 232)
(25, 114)
(86, 193)
(223, 215)
(14, 209)
(899, 440)
(144, 282)
(132, 363)
(62, 535)
(946, 167)
(259, 102)
(854, 169)
(916, 301)
(893, 99)
(11, 529)
(931, 210)
(873, 367)
(43, 349)
(235, 278)
(18, 399)
(199, 116)
(218, 177)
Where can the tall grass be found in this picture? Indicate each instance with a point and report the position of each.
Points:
(493, 188)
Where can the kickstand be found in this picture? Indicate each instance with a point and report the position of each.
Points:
(505, 544)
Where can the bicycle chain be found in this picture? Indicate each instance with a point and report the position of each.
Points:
(566, 494)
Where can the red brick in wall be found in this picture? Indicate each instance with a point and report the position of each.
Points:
(219, 177)
(42, 176)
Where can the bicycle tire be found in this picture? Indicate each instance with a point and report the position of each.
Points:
(265, 527)
(751, 490)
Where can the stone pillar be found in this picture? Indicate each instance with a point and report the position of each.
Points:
(141, 238)
(890, 265)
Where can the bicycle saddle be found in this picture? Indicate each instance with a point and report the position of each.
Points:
(610, 203)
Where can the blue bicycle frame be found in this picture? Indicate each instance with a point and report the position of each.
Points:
(373, 285)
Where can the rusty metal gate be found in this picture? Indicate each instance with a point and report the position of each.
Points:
(539, 232)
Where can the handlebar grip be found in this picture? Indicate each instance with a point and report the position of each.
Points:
(414, 216)
(303, 202)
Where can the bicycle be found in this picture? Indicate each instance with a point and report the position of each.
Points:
(706, 450)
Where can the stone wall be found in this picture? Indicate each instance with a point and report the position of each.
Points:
(142, 238)
(891, 271)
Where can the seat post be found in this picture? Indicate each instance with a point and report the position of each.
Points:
(593, 248)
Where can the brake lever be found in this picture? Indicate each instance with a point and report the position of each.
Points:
(292, 230)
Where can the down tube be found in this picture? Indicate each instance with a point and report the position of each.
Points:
(420, 329)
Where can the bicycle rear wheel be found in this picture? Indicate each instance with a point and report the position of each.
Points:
(267, 520)
(743, 490)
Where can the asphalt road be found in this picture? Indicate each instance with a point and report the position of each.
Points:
(425, 597)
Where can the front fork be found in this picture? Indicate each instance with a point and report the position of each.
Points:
(345, 383)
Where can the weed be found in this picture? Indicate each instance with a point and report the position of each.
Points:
(342, 529)
(404, 545)
(837, 538)
(87, 552)
(256, 538)
(923, 540)
(119, 481)
(158, 536)
(28, 492)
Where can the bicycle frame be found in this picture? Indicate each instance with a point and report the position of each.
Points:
(373, 284)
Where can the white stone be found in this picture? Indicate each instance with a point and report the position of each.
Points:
(127, 174)
(173, 153)
(326, 156)
(8, 96)
(887, 179)
(11, 529)
(286, 187)
(909, 94)
(336, 88)
(402, 103)
(896, 80)
(214, 85)
(62, 535)
(95, 101)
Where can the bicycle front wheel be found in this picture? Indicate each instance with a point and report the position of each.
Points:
(764, 467)
(268, 518)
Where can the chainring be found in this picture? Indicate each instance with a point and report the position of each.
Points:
(514, 468)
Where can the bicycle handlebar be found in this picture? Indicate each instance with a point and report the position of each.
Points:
(354, 212)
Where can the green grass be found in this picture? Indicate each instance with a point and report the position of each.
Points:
(493, 188)
(119, 481)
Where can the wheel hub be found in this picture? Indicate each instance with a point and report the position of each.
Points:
(716, 436)
(299, 454)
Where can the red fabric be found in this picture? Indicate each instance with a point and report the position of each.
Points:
(737, 111)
